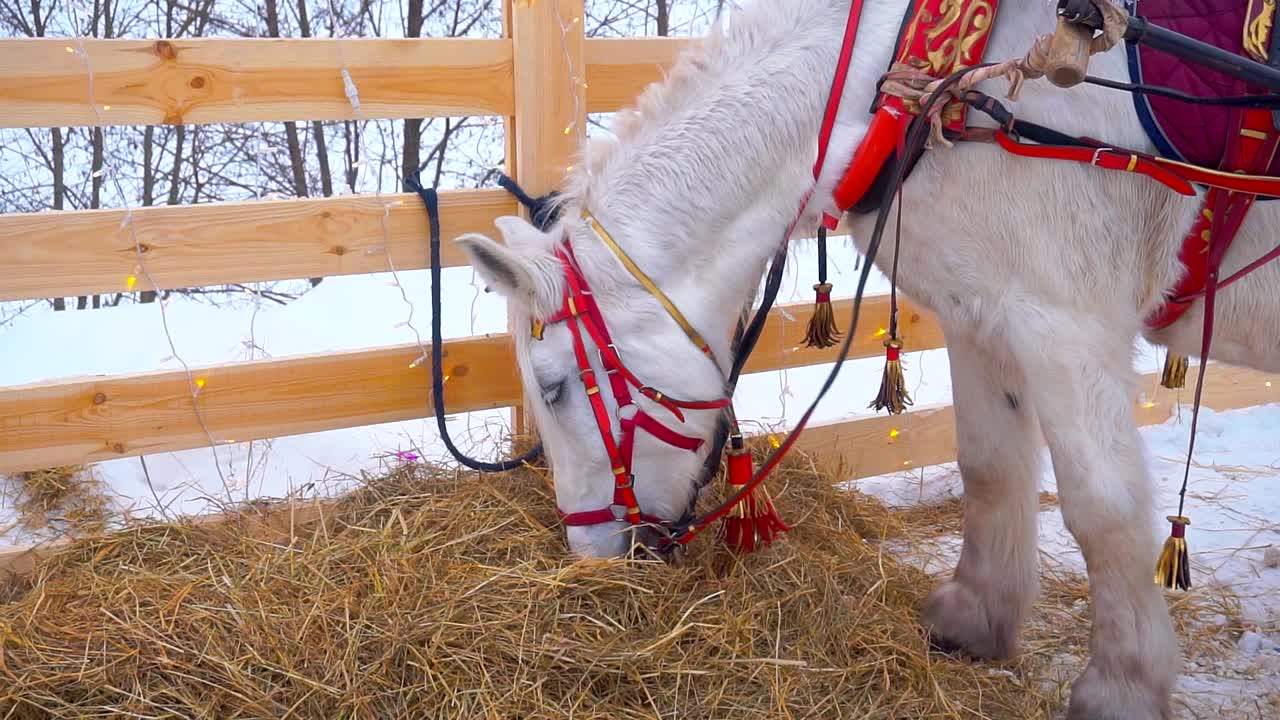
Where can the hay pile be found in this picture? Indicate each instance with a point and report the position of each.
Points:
(434, 594)
(68, 500)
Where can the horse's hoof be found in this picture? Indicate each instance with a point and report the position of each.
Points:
(1094, 696)
(958, 621)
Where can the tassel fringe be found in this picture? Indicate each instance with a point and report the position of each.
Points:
(1175, 371)
(1173, 569)
(893, 386)
(822, 332)
(754, 522)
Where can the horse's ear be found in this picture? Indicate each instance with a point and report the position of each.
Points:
(522, 269)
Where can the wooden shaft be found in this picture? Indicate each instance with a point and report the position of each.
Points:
(1068, 62)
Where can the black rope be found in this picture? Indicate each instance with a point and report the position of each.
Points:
(431, 200)
(893, 276)
(543, 211)
(822, 254)
(1264, 101)
(773, 283)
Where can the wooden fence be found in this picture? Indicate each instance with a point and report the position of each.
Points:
(523, 77)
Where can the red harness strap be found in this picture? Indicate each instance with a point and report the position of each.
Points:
(580, 311)
(834, 98)
(1252, 149)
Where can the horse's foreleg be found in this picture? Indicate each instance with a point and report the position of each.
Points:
(981, 609)
(1082, 389)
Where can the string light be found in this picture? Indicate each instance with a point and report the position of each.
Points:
(893, 434)
(127, 225)
(352, 92)
(881, 332)
(1268, 383)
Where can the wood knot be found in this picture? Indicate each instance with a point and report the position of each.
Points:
(99, 398)
(143, 247)
(338, 250)
(166, 50)
(460, 371)
(118, 447)
(198, 82)
(915, 317)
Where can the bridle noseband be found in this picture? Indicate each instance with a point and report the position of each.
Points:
(579, 311)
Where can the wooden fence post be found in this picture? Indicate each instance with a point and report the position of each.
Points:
(550, 101)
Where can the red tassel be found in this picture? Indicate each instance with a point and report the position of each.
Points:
(754, 522)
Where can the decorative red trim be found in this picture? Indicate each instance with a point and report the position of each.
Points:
(941, 37)
(1220, 217)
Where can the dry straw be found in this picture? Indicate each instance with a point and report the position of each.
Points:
(430, 593)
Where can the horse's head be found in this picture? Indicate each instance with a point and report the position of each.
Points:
(705, 174)
(607, 369)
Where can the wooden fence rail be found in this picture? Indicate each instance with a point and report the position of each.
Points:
(61, 254)
(85, 420)
(44, 82)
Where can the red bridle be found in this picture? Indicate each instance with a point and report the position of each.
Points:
(580, 311)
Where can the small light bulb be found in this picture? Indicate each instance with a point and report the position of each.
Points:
(881, 332)
(69, 49)
(893, 434)
(200, 383)
(1268, 383)
(1148, 404)
(773, 440)
(106, 107)
(131, 282)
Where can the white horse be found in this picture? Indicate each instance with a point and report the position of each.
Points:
(1039, 272)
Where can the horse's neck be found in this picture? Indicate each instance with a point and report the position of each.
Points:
(701, 196)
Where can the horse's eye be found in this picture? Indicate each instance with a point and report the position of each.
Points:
(551, 392)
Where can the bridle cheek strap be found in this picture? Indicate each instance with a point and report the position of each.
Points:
(580, 311)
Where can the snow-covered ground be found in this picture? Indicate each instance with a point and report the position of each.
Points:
(1234, 499)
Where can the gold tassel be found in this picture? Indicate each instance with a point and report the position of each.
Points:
(1174, 566)
(1175, 371)
(893, 386)
(822, 332)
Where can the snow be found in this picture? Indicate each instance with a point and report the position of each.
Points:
(1233, 500)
